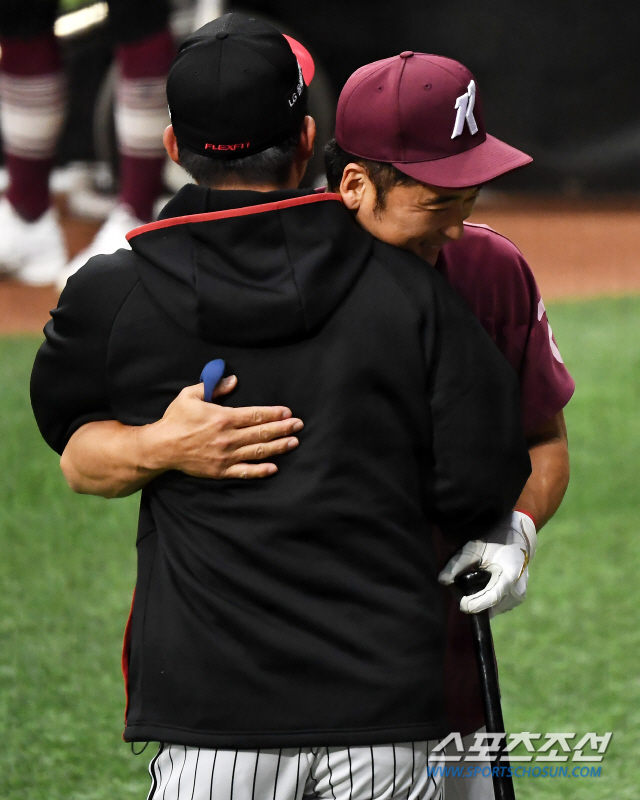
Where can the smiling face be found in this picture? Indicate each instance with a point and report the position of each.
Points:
(419, 218)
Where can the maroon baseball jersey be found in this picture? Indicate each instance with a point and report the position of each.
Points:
(492, 276)
(494, 279)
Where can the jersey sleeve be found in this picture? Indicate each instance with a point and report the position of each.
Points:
(481, 462)
(494, 279)
(546, 383)
(69, 378)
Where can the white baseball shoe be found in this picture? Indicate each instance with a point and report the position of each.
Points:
(34, 253)
(108, 239)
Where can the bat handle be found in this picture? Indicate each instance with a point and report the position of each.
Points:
(470, 583)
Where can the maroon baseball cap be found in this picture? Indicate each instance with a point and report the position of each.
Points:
(422, 113)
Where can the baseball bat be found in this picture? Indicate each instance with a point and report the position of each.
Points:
(470, 583)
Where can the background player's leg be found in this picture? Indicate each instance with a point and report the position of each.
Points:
(193, 773)
(144, 52)
(32, 110)
(141, 117)
(407, 770)
(33, 105)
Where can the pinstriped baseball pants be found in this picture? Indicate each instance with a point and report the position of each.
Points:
(377, 772)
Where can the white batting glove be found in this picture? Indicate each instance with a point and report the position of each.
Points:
(505, 552)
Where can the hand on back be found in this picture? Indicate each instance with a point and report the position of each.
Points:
(207, 440)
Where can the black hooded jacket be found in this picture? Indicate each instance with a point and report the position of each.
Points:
(302, 609)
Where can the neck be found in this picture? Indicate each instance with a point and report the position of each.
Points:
(430, 255)
(252, 187)
(292, 182)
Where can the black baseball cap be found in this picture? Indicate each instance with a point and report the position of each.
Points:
(236, 87)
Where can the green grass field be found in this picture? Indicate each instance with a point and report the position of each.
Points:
(568, 657)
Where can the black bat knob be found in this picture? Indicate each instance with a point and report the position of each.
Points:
(472, 582)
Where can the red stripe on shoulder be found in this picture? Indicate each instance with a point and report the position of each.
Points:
(233, 212)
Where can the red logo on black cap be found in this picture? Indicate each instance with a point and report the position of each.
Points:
(238, 146)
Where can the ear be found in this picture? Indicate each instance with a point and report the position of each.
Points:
(171, 144)
(354, 186)
(307, 138)
(303, 152)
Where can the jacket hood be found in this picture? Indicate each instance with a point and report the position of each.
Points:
(248, 267)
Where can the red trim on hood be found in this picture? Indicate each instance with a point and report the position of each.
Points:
(233, 212)
(126, 648)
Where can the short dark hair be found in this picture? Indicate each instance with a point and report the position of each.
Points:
(383, 176)
(272, 165)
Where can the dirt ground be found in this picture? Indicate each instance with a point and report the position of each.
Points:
(576, 248)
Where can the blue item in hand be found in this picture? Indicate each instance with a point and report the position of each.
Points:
(210, 376)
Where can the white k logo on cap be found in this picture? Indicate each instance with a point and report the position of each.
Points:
(464, 106)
